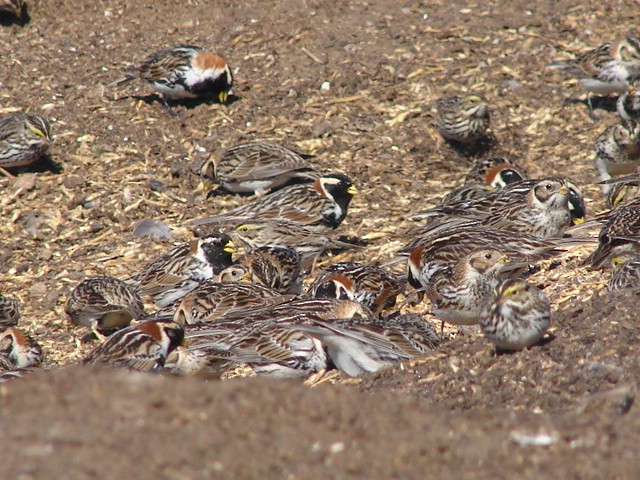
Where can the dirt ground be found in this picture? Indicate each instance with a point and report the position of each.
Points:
(561, 410)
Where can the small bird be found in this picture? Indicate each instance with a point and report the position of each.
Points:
(183, 72)
(9, 312)
(620, 233)
(518, 316)
(626, 271)
(617, 151)
(463, 119)
(142, 347)
(182, 269)
(371, 285)
(308, 243)
(24, 139)
(321, 205)
(211, 302)
(537, 207)
(279, 268)
(437, 247)
(359, 347)
(104, 304)
(279, 351)
(258, 167)
(459, 293)
(18, 350)
(606, 69)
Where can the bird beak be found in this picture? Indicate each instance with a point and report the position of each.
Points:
(564, 190)
(578, 221)
(222, 96)
(229, 247)
(352, 190)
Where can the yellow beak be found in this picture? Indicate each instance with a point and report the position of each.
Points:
(222, 96)
(578, 221)
(564, 190)
(352, 190)
(229, 247)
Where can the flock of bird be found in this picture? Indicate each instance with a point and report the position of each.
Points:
(214, 309)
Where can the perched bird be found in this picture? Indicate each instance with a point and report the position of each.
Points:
(365, 346)
(9, 312)
(308, 243)
(626, 271)
(142, 347)
(183, 72)
(258, 167)
(370, 285)
(24, 139)
(459, 293)
(18, 350)
(620, 233)
(628, 104)
(104, 303)
(606, 69)
(518, 316)
(211, 302)
(13, 8)
(182, 269)
(321, 205)
(279, 268)
(617, 151)
(463, 119)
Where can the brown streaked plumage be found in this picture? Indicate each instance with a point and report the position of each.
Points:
(518, 316)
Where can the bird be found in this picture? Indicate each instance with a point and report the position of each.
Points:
(308, 243)
(24, 139)
(104, 304)
(460, 292)
(606, 69)
(258, 167)
(279, 350)
(463, 119)
(518, 316)
(183, 72)
(321, 205)
(9, 312)
(617, 151)
(371, 285)
(626, 271)
(143, 347)
(438, 245)
(13, 8)
(279, 268)
(537, 207)
(365, 346)
(18, 350)
(211, 302)
(620, 233)
(183, 268)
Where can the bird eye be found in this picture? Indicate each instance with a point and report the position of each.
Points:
(242, 228)
(548, 186)
(488, 256)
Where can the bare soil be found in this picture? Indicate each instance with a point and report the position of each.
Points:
(563, 410)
